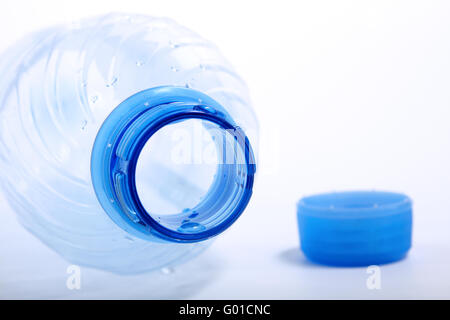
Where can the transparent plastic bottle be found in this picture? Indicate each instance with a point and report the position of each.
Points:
(126, 142)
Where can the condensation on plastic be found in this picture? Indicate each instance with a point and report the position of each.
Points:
(57, 88)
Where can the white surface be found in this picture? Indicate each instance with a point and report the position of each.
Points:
(349, 95)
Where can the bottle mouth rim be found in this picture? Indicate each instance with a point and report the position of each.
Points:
(120, 141)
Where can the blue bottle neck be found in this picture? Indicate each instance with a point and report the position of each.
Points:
(118, 146)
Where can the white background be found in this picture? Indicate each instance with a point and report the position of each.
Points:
(349, 94)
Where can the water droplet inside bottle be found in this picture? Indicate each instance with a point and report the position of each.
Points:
(140, 63)
(173, 45)
(94, 99)
(191, 227)
(202, 67)
(205, 108)
(129, 239)
(167, 270)
(193, 215)
(83, 125)
(174, 69)
(112, 82)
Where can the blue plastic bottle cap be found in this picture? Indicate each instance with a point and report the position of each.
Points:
(358, 228)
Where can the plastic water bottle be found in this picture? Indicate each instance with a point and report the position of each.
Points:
(126, 142)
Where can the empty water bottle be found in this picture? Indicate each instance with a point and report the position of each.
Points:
(126, 142)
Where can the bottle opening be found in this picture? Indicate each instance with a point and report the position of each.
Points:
(177, 166)
(170, 163)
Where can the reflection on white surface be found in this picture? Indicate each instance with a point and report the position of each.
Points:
(30, 270)
(263, 261)
(245, 263)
